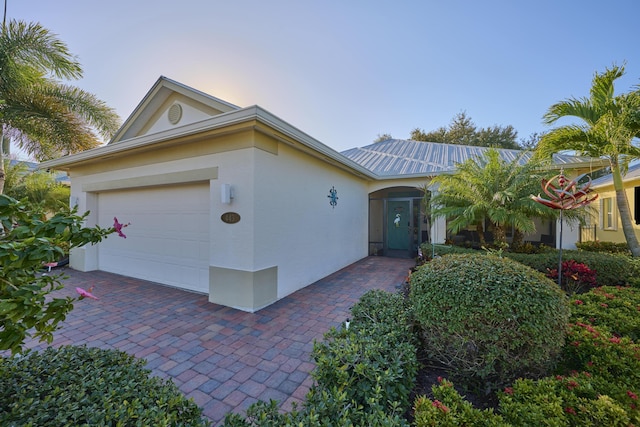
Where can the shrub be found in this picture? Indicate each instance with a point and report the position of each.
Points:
(374, 361)
(89, 386)
(27, 241)
(561, 401)
(441, 250)
(576, 277)
(611, 269)
(488, 319)
(595, 350)
(615, 308)
(364, 374)
(606, 247)
(448, 408)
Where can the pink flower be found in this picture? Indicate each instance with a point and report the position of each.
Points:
(86, 294)
(118, 227)
(615, 340)
(632, 395)
(570, 410)
(578, 302)
(508, 390)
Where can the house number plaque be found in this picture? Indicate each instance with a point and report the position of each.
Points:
(230, 217)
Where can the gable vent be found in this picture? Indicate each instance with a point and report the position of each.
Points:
(174, 114)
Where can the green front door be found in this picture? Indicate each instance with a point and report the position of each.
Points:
(398, 225)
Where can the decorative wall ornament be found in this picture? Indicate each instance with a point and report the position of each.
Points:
(333, 197)
(397, 220)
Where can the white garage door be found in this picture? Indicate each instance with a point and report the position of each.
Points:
(168, 239)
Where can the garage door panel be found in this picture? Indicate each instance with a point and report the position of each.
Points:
(168, 239)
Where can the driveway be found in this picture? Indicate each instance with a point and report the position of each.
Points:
(225, 359)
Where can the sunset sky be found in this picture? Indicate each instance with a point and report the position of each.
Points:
(345, 71)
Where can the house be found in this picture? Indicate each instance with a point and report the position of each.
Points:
(238, 204)
(605, 224)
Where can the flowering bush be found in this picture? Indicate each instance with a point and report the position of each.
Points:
(616, 308)
(562, 401)
(27, 243)
(448, 408)
(576, 277)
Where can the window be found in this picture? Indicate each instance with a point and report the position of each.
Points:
(608, 218)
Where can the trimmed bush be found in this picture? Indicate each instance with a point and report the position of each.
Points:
(606, 247)
(374, 362)
(74, 386)
(615, 308)
(487, 319)
(611, 269)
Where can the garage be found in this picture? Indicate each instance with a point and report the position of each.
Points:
(168, 236)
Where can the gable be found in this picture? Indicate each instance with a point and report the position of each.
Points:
(169, 105)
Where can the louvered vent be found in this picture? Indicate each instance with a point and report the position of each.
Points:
(174, 114)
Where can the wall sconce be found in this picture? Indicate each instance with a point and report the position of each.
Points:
(226, 193)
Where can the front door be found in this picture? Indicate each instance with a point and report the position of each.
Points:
(398, 226)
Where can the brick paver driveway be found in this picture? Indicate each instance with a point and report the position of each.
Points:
(223, 358)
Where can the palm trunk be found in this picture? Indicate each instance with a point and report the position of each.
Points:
(625, 212)
(499, 235)
(481, 239)
(518, 239)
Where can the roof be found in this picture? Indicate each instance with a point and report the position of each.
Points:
(399, 157)
(392, 158)
(632, 173)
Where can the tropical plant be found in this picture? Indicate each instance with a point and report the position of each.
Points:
(38, 187)
(27, 243)
(609, 128)
(490, 188)
(43, 116)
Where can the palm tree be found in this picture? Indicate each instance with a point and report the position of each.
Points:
(609, 129)
(490, 188)
(40, 114)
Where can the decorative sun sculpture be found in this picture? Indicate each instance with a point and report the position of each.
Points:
(564, 196)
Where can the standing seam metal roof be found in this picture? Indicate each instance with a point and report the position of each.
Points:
(396, 157)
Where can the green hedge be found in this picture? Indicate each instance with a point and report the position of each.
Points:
(606, 247)
(80, 386)
(611, 269)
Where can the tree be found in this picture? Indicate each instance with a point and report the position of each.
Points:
(463, 131)
(383, 137)
(490, 188)
(40, 114)
(40, 188)
(609, 127)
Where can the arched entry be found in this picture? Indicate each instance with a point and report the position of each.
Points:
(397, 224)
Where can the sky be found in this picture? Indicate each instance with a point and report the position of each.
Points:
(346, 71)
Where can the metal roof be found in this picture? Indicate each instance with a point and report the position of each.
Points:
(397, 157)
(632, 173)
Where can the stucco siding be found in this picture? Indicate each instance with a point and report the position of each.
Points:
(297, 229)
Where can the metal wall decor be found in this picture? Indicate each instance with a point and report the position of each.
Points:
(333, 197)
